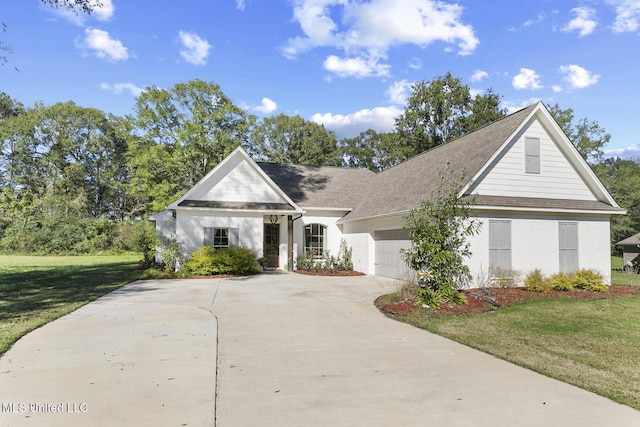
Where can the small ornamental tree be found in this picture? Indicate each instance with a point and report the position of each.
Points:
(438, 231)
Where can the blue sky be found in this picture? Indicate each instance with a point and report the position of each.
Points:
(347, 64)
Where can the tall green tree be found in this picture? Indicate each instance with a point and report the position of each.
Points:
(371, 150)
(622, 179)
(292, 139)
(442, 110)
(65, 149)
(586, 135)
(183, 133)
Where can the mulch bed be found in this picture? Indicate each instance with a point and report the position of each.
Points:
(339, 273)
(477, 299)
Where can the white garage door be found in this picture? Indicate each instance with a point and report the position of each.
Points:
(389, 260)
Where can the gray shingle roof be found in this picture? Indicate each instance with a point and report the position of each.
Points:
(537, 203)
(319, 186)
(404, 186)
(215, 204)
(630, 241)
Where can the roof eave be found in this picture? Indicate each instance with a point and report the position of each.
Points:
(612, 211)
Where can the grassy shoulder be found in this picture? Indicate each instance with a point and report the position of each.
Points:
(35, 290)
(592, 344)
(620, 277)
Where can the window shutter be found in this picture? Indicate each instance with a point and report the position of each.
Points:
(568, 244)
(234, 236)
(500, 244)
(532, 155)
(208, 237)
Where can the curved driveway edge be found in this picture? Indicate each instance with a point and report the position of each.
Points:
(298, 350)
(143, 355)
(291, 350)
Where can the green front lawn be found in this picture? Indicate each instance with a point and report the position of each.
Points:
(592, 344)
(35, 290)
(619, 277)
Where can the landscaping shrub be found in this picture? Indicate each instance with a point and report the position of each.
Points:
(561, 282)
(208, 261)
(343, 262)
(504, 278)
(535, 282)
(307, 262)
(589, 280)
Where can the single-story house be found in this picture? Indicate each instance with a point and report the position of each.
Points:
(538, 203)
(630, 248)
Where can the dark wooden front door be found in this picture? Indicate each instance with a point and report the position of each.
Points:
(272, 244)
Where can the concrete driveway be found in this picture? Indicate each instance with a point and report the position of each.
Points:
(292, 350)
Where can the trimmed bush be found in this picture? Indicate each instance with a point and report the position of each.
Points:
(535, 282)
(589, 280)
(208, 261)
(561, 282)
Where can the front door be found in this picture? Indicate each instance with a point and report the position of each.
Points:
(272, 244)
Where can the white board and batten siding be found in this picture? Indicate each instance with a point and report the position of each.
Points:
(236, 181)
(557, 178)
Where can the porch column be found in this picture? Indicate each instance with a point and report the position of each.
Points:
(290, 242)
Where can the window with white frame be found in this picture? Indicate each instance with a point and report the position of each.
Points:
(315, 239)
(532, 155)
(216, 237)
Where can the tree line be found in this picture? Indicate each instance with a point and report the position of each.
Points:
(73, 179)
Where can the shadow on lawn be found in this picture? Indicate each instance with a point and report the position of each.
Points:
(36, 289)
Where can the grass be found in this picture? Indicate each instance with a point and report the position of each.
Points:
(619, 277)
(35, 290)
(592, 344)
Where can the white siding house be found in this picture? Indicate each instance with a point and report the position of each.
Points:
(538, 203)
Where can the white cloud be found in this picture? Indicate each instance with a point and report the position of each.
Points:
(102, 10)
(584, 22)
(380, 119)
(415, 64)
(630, 153)
(557, 88)
(240, 4)
(627, 15)
(355, 67)
(578, 77)
(104, 46)
(266, 106)
(479, 75)
(369, 29)
(118, 88)
(538, 19)
(512, 106)
(398, 92)
(527, 79)
(195, 49)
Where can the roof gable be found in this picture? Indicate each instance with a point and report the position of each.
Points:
(471, 158)
(404, 186)
(236, 183)
(563, 172)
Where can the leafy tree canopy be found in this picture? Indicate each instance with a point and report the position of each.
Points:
(181, 134)
(586, 135)
(287, 139)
